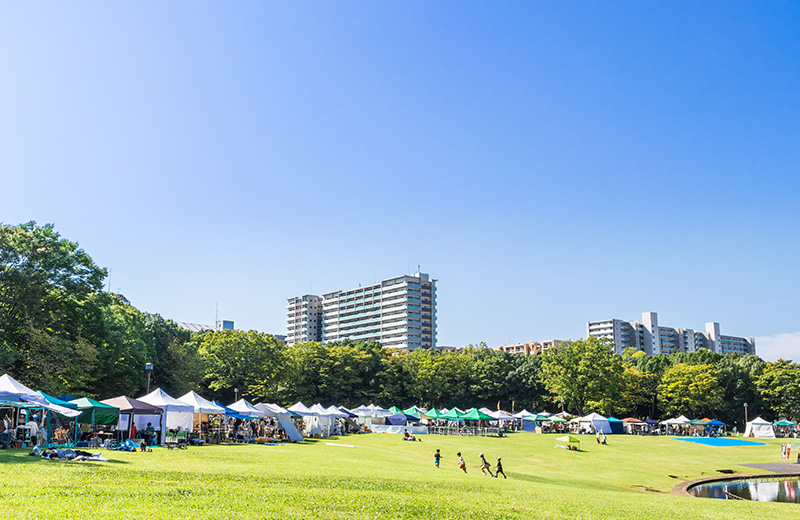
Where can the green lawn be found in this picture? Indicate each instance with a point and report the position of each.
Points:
(383, 476)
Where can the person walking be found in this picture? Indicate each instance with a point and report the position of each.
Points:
(485, 466)
(436, 458)
(499, 469)
(461, 463)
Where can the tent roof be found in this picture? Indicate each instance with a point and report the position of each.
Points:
(477, 415)
(243, 407)
(714, 422)
(759, 420)
(784, 422)
(300, 408)
(166, 402)
(593, 417)
(500, 415)
(131, 405)
(453, 414)
(632, 420)
(232, 413)
(57, 401)
(321, 410)
(96, 412)
(697, 421)
(613, 419)
(524, 413)
(336, 412)
(200, 404)
(272, 410)
(414, 411)
(11, 386)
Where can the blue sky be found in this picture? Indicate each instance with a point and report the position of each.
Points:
(549, 163)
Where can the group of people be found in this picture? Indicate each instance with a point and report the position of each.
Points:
(486, 468)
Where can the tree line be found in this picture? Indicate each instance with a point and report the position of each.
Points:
(59, 332)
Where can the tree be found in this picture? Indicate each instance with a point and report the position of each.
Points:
(583, 373)
(779, 388)
(251, 361)
(489, 382)
(45, 285)
(692, 389)
(525, 382)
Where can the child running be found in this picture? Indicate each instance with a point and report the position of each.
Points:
(499, 469)
(461, 463)
(485, 466)
(436, 458)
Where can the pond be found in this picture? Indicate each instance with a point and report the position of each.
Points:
(768, 489)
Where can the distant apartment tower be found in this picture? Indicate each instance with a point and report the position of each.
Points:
(303, 319)
(648, 336)
(534, 348)
(398, 312)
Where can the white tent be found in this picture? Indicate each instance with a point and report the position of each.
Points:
(336, 412)
(760, 429)
(177, 414)
(243, 407)
(545, 414)
(324, 420)
(501, 416)
(301, 409)
(10, 385)
(523, 414)
(596, 420)
(200, 404)
(676, 421)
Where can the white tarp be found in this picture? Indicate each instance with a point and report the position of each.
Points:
(177, 414)
(760, 429)
(289, 428)
(413, 430)
(200, 404)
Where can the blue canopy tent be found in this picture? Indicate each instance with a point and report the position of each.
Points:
(617, 426)
(66, 397)
(233, 413)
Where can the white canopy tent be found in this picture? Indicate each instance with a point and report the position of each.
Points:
(177, 414)
(9, 385)
(596, 420)
(324, 420)
(337, 413)
(501, 416)
(244, 408)
(523, 414)
(200, 404)
(760, 429)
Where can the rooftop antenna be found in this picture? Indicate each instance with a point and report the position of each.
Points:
(109, 280)
(216, 317)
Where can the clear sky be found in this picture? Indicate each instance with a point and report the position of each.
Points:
(549, 163)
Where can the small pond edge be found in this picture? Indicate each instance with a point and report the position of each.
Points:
(682, 489)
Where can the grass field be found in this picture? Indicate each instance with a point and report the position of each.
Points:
(382, 476)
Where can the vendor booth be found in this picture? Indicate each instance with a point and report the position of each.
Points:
(760, 429)
(133, 412)
(178, 416)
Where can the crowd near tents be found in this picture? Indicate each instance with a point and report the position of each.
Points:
(33, 417)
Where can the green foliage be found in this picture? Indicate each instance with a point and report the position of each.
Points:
(693, 388)
(584, 373)
(779, 388)
(251, 361)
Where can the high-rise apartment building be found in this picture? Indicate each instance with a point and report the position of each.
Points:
(303, 319)
(648, 336)
(398, 312)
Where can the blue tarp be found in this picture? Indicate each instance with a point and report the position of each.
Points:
(66, 397)
(398, 419)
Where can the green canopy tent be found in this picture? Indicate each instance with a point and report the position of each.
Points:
(783, 422)
(433, 413)
(452, 415)
(476, 415)
(94, 412)
(395, 410)
(556, 419)
(415, 411)
(568, 442)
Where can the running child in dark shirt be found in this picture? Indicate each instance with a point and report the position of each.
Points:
(499, 469)
(436, 458)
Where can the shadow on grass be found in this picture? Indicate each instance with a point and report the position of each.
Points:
(23, 456)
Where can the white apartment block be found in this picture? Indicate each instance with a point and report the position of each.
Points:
(648, 336)
(303, 319)
(398, 312)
